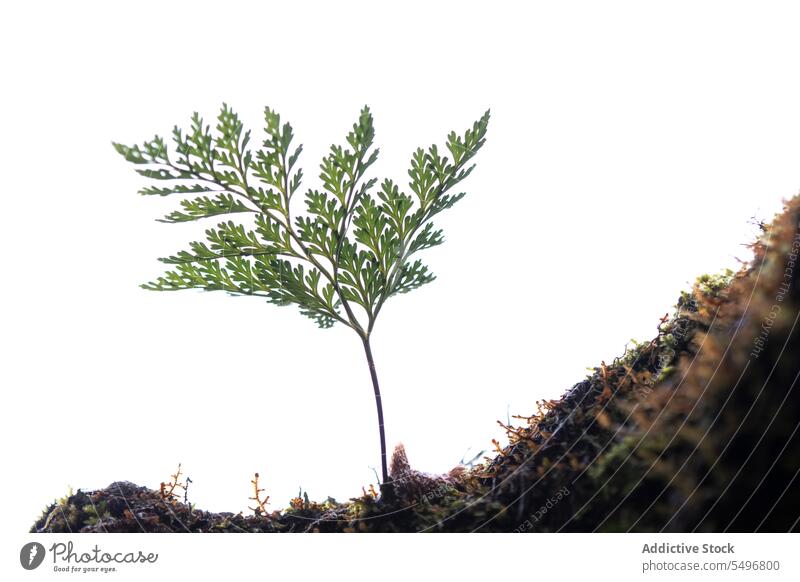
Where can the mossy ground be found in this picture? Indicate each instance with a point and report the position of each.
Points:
(696, 430)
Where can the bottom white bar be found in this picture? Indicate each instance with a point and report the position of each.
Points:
(388, 557)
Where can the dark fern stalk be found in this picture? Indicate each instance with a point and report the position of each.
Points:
(341, 259)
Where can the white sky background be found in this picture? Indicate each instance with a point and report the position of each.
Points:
(628, 147)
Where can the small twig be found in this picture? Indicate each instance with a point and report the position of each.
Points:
(167, 490)
(261, 504)
(186, 491)
(497, 446)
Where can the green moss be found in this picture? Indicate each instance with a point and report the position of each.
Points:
(714, 285)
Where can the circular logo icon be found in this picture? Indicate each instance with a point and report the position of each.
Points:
(31, 555)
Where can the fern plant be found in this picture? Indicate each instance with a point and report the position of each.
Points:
(352, 249)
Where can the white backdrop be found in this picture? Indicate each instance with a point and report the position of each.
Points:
(629, 145)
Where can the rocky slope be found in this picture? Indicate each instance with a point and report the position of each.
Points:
(695, 430)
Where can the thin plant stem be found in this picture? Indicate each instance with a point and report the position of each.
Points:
(376, 387)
